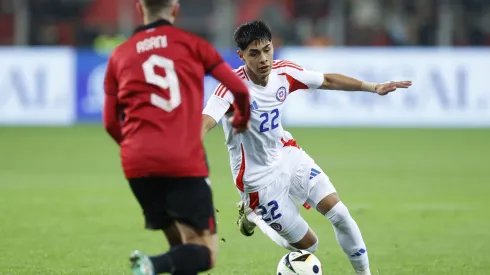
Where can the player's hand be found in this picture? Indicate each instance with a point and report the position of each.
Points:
(389, 87)
(239, 128)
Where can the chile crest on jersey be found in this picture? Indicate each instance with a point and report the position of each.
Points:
(281, 94)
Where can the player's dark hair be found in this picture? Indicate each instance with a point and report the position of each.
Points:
(250, 32)
(157, 5)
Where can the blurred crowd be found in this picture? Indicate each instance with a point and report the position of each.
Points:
(103, 24)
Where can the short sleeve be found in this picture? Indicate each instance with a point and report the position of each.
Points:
(209, 55)
(298, 77)
(220, 103)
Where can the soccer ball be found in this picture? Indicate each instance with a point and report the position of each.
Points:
(300, 262)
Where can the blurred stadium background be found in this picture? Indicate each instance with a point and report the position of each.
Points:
(414, 167)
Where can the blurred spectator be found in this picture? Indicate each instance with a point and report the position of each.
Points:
(6, 22)
(318, 41)
(398, 23)
(310, 21)
(294, 22)
(197, 17)
(276, 15)
(108, 39)
(54, 22)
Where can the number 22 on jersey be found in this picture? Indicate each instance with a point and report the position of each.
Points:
(272, 116)
(170, 82)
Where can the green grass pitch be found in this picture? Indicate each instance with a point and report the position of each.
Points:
(421, 198)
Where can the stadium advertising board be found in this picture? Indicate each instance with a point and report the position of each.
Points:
(450, 88)
(90, 73)
(36, 86)
(58, 86)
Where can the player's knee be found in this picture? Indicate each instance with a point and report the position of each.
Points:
(210, 253)
(173, 235)
(307, 242)
(207, 248)
(338, 213)
(313, 248)
(328, 198)
(206, 257)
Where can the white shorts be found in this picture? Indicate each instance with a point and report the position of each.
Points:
(301, 181)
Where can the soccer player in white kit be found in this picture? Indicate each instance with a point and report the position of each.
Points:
(271, 172)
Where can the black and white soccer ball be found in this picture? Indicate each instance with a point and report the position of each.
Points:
(300, 262)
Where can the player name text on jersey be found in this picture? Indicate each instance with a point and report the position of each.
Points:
(152, 43)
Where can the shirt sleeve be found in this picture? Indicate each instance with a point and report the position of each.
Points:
(220, 103)
(209, 56)
(238, 90)
(110, 81)
(111, 109)
(298, 77)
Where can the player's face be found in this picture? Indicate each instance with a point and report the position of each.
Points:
(258, 57)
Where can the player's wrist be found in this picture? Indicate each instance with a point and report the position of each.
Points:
(369, 86)
(239, 121)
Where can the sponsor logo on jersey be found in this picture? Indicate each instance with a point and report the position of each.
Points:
(254, 106)
(276, 226)
(281, 94)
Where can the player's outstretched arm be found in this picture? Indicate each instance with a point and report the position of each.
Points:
(344, 83)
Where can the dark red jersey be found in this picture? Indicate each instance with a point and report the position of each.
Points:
(154, 89)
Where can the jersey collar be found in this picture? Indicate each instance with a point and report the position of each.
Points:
(246, 77)
(158, 23)
(243, 72)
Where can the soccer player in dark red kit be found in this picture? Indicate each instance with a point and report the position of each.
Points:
(153, 102)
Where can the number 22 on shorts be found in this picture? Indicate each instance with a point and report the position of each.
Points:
(272, 206)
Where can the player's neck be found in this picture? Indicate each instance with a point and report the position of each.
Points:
(261, 81)
(148, 19)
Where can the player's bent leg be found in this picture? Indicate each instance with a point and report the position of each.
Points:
(168, 210)
(200, 237)
(327, 203)
(142, 264)
(293, 240)
(309, 242)
(173, 236)
(297, 232)
(277, 215)
(346, 229)
(256, 220)
(196, 254)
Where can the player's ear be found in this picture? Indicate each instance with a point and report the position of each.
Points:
(139, 8)
(240, 54)
(175, 10)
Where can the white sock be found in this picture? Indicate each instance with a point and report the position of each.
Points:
(349, 238)
(271, 233)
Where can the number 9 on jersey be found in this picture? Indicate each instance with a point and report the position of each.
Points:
(170, 82)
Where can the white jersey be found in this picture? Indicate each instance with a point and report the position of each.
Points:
(255, 155)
